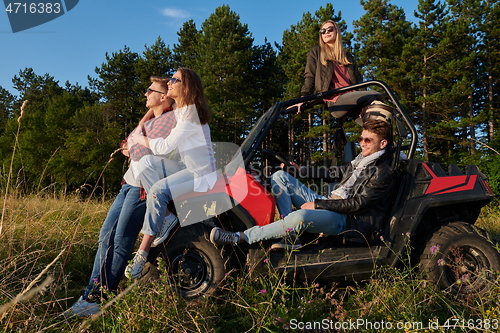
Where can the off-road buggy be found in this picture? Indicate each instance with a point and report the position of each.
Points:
(434, 208)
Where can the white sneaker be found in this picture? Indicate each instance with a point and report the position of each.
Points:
(134, 270)
(81, 309)
(166, 227)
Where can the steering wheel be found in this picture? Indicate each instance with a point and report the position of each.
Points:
(273, 157)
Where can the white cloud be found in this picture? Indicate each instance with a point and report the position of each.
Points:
(175, 13)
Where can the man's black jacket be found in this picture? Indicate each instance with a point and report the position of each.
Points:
(368, 205)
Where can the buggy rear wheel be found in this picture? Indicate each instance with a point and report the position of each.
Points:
(460, 258)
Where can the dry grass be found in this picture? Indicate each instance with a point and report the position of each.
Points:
(54, 240)
(489, 219)
(37, 231)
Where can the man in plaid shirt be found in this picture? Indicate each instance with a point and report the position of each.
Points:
(153, 128)
(157, 127)
(125, 217)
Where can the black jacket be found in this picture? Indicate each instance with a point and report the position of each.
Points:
(318, 77)
(368, 206)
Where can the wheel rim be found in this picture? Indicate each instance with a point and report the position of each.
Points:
(467, 269)
(192, 272)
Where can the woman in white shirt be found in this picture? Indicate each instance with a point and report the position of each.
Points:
(191, 140)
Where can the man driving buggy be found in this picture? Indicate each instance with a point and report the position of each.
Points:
(356, 207)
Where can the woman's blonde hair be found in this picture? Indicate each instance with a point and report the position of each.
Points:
(335, 52)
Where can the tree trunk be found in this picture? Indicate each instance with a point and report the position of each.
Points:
(325, 144)
(424, 131)
(472, 128)
(491, 106)
(290, 138)
(309, 140)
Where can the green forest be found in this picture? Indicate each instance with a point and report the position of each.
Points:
(443, 63)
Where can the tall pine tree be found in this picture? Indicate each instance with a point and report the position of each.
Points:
(185, 52)
(6, 107)
(117, 84)
(222, 55)
(156, 60)
(489, 65)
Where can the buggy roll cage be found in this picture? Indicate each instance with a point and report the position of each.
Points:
(261, 129)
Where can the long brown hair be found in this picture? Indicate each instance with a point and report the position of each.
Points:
(336, 52)
(194, 94)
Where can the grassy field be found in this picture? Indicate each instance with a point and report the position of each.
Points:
(47, 249)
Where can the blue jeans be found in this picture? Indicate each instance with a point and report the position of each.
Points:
(289, 191)
(117, 239)
(160, 194)
(151, 169)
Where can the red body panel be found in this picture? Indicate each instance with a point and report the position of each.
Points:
(246, 191)
(258, 202)
(449, 184)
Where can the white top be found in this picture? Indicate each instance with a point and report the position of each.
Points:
(194, 146)
(130, 178)
(133, 172)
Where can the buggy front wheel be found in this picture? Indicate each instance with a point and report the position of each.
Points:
(196, 267)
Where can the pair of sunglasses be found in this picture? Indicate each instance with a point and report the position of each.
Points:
(149, 90)
(172, 80)
(365, 140)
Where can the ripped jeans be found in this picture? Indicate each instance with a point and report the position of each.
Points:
(289, 191)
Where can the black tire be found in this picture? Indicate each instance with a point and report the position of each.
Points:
(460, 258)
(196, 267)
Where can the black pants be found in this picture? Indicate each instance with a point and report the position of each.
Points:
(350, 104)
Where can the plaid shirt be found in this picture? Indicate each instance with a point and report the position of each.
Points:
(158, 127)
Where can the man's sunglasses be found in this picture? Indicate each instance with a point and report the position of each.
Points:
(329, 29)
(156, 91)
(366, 140)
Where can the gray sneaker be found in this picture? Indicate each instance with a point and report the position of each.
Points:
(289, 242)
(81, 309)
(166, 227)
(134, 269)
(223, 237)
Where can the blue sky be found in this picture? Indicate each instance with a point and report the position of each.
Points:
(71, 46)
